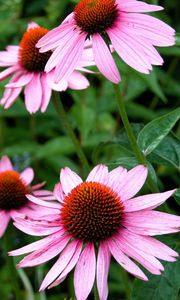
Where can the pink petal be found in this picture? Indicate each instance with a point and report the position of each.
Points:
(34, 229)
(125, 262)
(37, 245)
(147, 201)
(58, 192)
(60, 86)
(4, 74)
(103, 262)
(70, 56)
(149, 245)
(27, 175)
(46, 93)
(133, 182)
(20, 80)
(138, 6)
(33, 94)
(10, 96)
(8, 59)
(116, 177)
(77, 81)
(152, 222)
(4, 221)
(104, 60)
(69, 180)
(128, 52)
(146, 260)
(53, 38)
(70, 265)
(42, 202)
(98, 174)
(59, 265)
(84, 274)
(5, 164)
(44, 253)
(152, 29)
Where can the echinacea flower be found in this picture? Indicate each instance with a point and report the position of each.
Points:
(27, 66)
(121, 23)
(99, 218)
(13, 189)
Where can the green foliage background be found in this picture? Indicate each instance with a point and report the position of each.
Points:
(152, 103)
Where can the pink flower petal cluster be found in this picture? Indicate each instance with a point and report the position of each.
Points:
(37, 84)
(132, 34)
(133, 239)
(8, 179)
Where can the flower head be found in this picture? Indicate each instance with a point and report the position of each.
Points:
(132, 34)
(27, 64)
(100, 216)
(14, 187)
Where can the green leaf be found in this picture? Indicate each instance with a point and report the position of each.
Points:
(177, 196)
(163, 287)
(155, 131)
(167, 152)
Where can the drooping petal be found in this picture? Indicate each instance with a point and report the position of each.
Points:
(20, 79)
(104, 59)
(59, 265)
(69, 180)
(27, 175)
(124, 261)
(149, 245)
(33, 94)
(46, 93)
(128, 52)
(32, 228)
(98, 174)
(4, 220)
(70, 265)
(53, 37)
(70, 56)
(84, 274)
(4, 74)
(148, 202)
(43, 203)
(146, 260)
(37, 245)
(10, 96)
(59, 86)
(77, 81)
(151, 222)
(5, 164)
(103, 262)
(45, 253)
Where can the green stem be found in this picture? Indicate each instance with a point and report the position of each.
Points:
(69, 130)
(137, 152)
(13, 275)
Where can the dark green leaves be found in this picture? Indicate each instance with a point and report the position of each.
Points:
(155, 131)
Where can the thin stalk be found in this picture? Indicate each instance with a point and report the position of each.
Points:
(132, 139)
(13, 275)
(69, 130)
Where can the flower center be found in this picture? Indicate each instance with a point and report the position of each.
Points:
(29, 56)
(12, 190)
(92, 212)
(95, 15)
